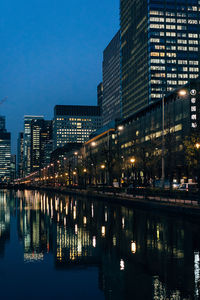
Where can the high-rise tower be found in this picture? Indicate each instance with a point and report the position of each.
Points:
(160, 49)
(111, 101)
(27, 142)
(5, 152)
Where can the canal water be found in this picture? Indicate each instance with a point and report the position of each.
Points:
(67, 247)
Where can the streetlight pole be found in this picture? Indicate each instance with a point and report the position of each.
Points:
(132, 161)
(85, 173)
(103, 178)
(163, 140)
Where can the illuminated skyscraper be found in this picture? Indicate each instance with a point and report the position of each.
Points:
(27, 142)
(20, 150)
(160, 49)
(41, 134)
(5, 152)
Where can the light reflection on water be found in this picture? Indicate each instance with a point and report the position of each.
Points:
(134, 254)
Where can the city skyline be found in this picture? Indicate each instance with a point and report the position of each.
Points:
(56, 60)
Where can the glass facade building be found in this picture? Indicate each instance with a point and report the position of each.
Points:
(160, 49)
(41, 134)
(74, 123)
(27, 142)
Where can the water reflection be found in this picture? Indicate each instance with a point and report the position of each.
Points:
(139, 255)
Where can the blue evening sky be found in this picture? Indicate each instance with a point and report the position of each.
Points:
(51, 53)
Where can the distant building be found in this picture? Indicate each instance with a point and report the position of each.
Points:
(20, 151)
(5, 152)
(46, 139)
(41, 134)
(74, 123)
(27, 142)
(36, 127)
(111, 100)
(159, 49)
(48, 149)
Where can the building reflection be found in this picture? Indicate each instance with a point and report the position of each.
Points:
(4, 221)
(139, 254)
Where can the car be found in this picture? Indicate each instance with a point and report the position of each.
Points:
(188, 187)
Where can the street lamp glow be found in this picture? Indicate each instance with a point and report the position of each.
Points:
(120, 128)
(197, 145)
(93, 144)
(85, 170)
(132, 160)
(103, 231)
(182, 93)
(133, 247)
(102, 166)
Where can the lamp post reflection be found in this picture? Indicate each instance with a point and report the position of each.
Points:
(85, 179)
(103, 175)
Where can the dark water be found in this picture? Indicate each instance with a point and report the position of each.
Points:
(64, 247)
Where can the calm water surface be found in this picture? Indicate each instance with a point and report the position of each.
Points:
(63, 247)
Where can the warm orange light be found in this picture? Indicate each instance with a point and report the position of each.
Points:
(102, 166)
(132, 160)
(120, 128)
(182, 93)
(133, 247)
(197, 145)
(103, 231)
(85, 170)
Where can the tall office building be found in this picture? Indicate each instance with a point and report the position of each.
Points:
(41, 134)
(27, 142)
(5, 152)
(46, 136)
(20, 151)
(74, 123)
(160, 49)
(111, 104)
(36, 127)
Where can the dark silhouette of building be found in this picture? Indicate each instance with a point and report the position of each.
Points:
(111, 100)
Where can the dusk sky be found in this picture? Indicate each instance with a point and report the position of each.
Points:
(51, 53)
